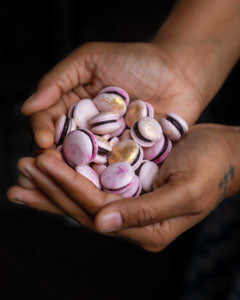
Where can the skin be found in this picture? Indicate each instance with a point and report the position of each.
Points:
(186, 192)
(179, 71)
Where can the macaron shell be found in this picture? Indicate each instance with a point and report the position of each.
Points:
(110, 103)
(170, 130)
(139, 141)
(140, 159)
(150, 129)
(148, 172)
(118, 132)
(136, 110)
(100, 159)
(117, 176)
(84, 110)
(70, 111)
(151, 152)
(90, 174)
(80, 147)
(114, 141)
(133, 188)
(180, 121)
(150, 110)
(118, 90)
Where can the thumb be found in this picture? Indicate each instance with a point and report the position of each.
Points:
(164, 203)
(65, 76)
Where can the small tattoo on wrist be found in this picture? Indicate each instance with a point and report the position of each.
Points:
(223, 184)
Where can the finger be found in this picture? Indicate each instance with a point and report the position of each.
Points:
(53, 192)
(164, 203)
(25, 182)
(65, 76)
(33, 198)
(77, 186)
(157, 236)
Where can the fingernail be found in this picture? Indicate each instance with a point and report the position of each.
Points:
(17, 201)
(110, 222)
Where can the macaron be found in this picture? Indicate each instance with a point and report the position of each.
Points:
(173, 126)
(112, 99)
(136, 110)
(104, 147)
(135, 189)
(60, 150)
(82, 111)
(80, 147)
(117, 178)
(99, 168)
(147, 172)
(128, 151)
(114, 141)
(159, 151)
(90, 174)
(104, 123)
(119, 131)
(126, 135)
(146, 131)
(62, 127)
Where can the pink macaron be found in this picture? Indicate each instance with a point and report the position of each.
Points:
(117, 178)
(147, 172)
(112, 99)
(173, 126)
(104, 123)
(119, 131)
(135, 189)
(99, 168)
(62, 127)
(80, 147)
(104, 148)
(83, 111)
(136, 110)
(127, 150)
(114, 141)
(146, 131)
(159, 151)
(90, 174)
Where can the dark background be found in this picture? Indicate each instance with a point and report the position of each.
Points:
(42, 255)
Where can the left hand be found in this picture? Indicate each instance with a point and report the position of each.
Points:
(202, 170)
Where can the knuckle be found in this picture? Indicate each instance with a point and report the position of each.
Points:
(142, 215)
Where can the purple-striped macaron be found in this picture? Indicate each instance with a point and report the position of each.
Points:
(159, 151)
(62, 127)
(117, 178)
(173, 126)
(80, 147)
(119, 131)
(90, 174)
(112, 99)
(146, 131)
(82, 111)
(147, 172)
(104, 123)
(127, 150)
(135, 189)
(104, 148)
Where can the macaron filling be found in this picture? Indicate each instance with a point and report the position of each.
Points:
(164, 148)
(137, 172)
(138, 134)
(176, 124)
(103, 123)
(102, 151)
(116, 93)
(72, 114)
(64, 131)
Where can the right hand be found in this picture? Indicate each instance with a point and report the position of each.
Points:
(144, 70)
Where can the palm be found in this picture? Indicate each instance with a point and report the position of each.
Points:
(141, 69)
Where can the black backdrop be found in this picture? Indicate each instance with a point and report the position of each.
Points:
(42, 255)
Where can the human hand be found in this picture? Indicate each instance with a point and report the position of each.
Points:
(143, 70)
(201, 170)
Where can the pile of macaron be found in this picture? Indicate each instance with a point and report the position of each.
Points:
(115, 143)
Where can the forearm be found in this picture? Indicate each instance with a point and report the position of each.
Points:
(203, 37)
